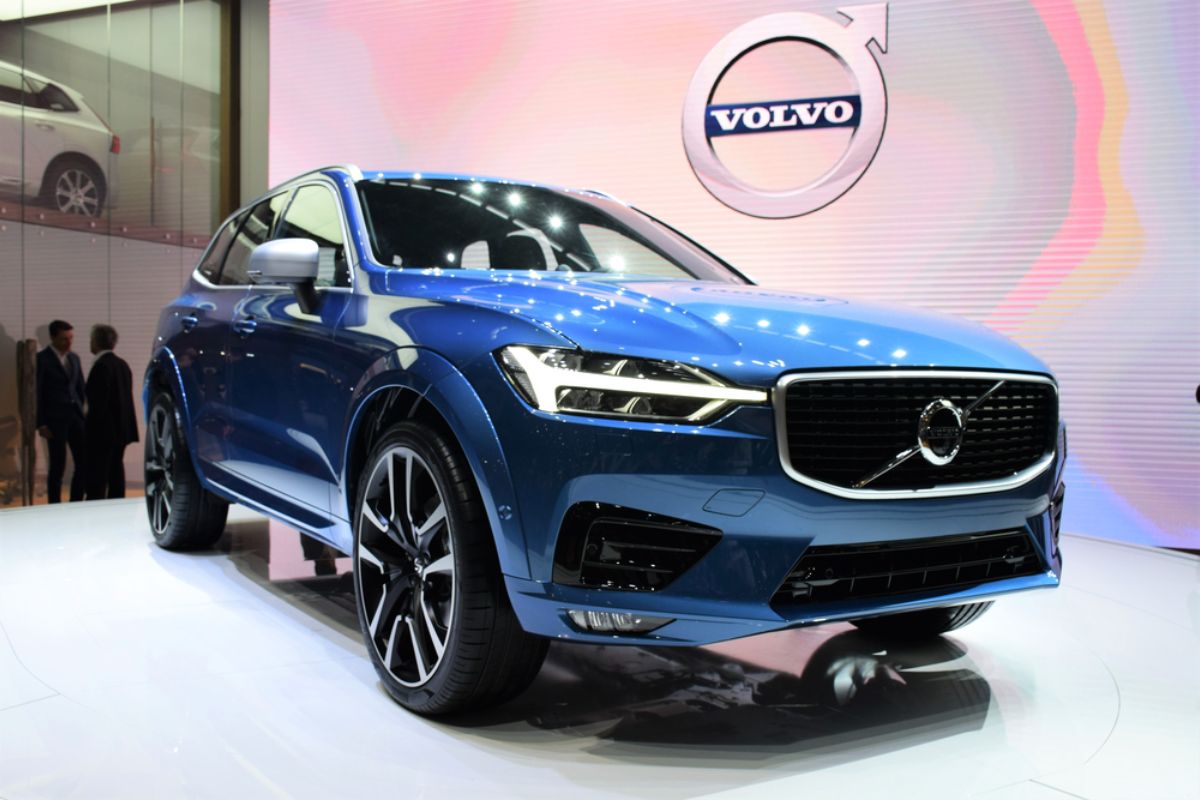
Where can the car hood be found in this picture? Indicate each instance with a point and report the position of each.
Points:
(748, 334)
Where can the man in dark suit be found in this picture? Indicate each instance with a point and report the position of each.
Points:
(60, 398)
(111, 423)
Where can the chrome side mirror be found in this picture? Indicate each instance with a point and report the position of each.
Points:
(293, 262)
(284, 261)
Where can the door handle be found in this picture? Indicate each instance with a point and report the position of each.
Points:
(245, 327)
(189, 322)
(46, 126)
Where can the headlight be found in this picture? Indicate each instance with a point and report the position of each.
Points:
(571, 382)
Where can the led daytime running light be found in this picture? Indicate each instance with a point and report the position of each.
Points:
(545, 381)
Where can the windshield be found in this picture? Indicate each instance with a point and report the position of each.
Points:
(463, 224)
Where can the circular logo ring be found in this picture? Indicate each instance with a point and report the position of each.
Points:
(846, 43)
(940, 432)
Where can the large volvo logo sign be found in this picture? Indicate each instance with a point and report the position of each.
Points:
(862, 111)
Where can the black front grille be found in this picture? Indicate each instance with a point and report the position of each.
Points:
(842, 431)
(604, 546)
(877, 569)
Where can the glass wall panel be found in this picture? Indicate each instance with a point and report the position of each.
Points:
(109, 175)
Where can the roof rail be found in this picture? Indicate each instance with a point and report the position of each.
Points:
(352, 169)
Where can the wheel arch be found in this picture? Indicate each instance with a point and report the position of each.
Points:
(416, 383)
(74, 155)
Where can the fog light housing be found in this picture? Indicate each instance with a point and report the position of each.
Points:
(615, 622)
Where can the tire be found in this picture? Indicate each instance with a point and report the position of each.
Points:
(431, 601)
(916, 625)
(183, 515)
(74, 186)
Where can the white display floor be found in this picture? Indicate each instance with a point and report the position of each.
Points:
(128, 672)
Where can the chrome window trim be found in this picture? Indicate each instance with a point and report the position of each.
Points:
(199, 278)
(779, 404)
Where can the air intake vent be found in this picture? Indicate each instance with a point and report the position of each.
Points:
(605, 546)
(1056, 510)
(878, 569)
(841, 430)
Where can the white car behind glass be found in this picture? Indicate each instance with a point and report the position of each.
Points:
(65, 159)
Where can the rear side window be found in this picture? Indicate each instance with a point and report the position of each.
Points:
(210, 267)
(47, 95)
(255, 230)
(314, 214)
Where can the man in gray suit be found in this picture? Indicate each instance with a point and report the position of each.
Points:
(60, 399)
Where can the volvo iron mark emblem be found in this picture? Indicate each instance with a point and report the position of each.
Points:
(940, 429)
(862, 112)
(940, 432)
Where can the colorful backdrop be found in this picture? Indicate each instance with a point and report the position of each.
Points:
(1038, 173)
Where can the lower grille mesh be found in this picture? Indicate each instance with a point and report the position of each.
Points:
(605, 546)
(877, 569)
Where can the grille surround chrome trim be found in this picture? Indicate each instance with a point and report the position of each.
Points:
(779, 405)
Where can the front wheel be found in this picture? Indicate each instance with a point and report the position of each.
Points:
(916, 625)
(431, 601)
(183, 515)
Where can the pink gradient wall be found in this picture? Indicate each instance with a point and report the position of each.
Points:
(1038, 173)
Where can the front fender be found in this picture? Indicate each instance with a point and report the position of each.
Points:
(164, 365)
(448, 392)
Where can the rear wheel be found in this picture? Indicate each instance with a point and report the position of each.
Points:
(74, 186)
(431, 601)
(183, 515)
(924, 624)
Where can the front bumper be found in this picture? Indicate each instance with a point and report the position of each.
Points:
(727, 476)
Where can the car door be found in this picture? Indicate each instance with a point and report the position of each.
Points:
(48, 130)
(282, 379)
(202, 316)
(11, 96)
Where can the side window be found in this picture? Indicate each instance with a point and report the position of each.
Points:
(255, 230)
(210, 267)
(11, 87)
(47, 95)
(314, 214)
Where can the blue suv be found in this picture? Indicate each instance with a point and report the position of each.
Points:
(532, 413)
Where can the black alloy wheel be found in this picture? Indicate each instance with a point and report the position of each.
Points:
(182, 514)
(405, 560)
(160, 467)
(432, 605)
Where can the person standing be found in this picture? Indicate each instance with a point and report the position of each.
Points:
(60, 399)
(111, 424)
